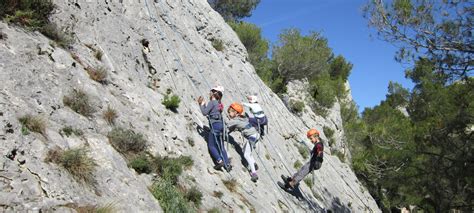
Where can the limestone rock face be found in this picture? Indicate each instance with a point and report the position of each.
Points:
(148, 47)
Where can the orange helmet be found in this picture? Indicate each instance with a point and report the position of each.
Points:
(237, 107)
(312, 132)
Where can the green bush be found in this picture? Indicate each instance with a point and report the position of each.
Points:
(296, 106)
(98, 74)
(68, 131)
(171, 200)
(278, 85)
(165, 190)
(194, 195)
(34, 15)
(127, 141)
(218, 44)
(33, 123)
(171, 103)
(141, 164)
(309, 182)
(30, 13)
(323, 91)
(170, 168)
(110, 114)
(232, 10)
(76, 161)
(300, 56)
(231, 184)
(328, 132)
(24, 18)
(332, 141)
(107, 208)
(185, 161)
(251, 37)
(214, 210)
(297, 164)
(24, 130)
(79, 102)
(303, 151)
(340, 68)
(218, 194)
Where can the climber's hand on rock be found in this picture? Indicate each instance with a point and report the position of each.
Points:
(200, 100)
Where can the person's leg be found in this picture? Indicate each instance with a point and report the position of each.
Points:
(219, 133)
(223, 150)
(298, 176)
(248, 156)
(212, 146)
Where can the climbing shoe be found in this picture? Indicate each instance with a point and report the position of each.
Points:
(282, 185)
(286, 178)
(285, 186)
(256, 166)
(254, 177)
(219, 165)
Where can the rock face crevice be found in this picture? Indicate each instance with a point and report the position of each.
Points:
(177, 55)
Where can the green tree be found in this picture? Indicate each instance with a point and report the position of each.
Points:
(232, 10)
(323, 90)
(397, 95)
(423, 159)
(257, 47)
(443, 116)
(438, 30)
(436, 170)
(340, 68)
(298, 56)
(386, 151)
(251, 37)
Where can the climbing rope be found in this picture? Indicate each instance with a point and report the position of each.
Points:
(182, 68)
(230, 77)
(154, 20)
(274, 182)
(200, 71)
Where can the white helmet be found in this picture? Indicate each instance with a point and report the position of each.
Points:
(218, 88)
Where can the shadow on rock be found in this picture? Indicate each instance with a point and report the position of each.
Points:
(238, 149)
(301, 197)
(204, 133)
(337, 206)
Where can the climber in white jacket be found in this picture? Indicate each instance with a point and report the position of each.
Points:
(259, 119)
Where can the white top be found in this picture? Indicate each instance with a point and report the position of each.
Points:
(255, 109)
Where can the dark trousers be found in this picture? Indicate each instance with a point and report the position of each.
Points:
(215, 143)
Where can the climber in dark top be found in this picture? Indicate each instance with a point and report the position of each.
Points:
(314, 163)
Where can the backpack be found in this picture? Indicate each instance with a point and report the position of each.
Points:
(259, 124)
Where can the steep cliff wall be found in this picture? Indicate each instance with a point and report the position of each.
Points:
(148, 47)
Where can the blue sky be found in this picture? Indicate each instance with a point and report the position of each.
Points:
(342, 23)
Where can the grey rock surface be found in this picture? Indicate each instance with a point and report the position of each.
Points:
(148, 47)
